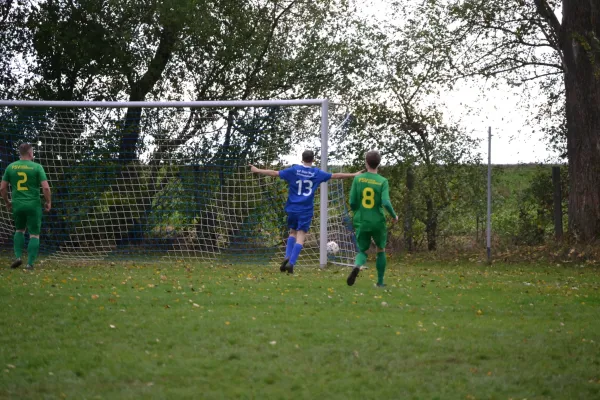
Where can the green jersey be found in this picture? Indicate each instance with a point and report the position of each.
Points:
(369, 195)
(25, 178)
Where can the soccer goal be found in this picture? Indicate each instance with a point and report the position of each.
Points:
(170, 180)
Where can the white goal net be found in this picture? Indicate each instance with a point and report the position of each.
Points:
(151, 181)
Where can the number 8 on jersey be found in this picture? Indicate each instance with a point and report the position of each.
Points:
(368, 198)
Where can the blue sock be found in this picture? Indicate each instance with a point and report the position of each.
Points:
(290, 246)
(295, 253)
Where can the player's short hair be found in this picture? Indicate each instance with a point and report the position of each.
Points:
(373, 158)
(308, 156)
(24, 148)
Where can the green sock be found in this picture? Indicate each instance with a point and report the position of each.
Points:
(19, 241)
(32, 250)
(381, 263)
(361, 259)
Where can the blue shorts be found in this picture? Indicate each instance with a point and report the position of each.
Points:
(299, 221)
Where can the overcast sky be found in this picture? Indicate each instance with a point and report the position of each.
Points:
(481, 107)
(478, 106)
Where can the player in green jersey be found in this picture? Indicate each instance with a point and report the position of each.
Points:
(25, 178)
(369, 195)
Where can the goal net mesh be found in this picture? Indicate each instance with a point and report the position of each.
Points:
(158, 183)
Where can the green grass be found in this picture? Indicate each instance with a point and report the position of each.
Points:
(514, 178)
(216, 332)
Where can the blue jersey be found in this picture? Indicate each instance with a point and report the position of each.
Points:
(303, 183)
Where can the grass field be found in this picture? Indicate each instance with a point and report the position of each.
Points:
(218, 332)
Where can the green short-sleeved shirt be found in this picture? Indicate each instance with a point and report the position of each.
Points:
(25, 178)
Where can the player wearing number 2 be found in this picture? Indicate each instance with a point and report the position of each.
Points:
(369, 195)
(303, 181)
(25, 178)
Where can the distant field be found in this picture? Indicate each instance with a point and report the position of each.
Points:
(219, 332)
(516, 177)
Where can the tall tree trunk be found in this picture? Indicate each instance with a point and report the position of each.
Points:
(126, 226)
(141, 87)
(581, 48)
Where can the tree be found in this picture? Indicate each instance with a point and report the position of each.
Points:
(579, 47)
(189, 49)
(13, 36)
(524, 41)
(177, 50)
(397, 113)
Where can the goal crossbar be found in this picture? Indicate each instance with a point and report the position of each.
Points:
(191, 104)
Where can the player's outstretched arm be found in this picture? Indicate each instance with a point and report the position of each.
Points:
(346, 175)
(4, 194)
(268, 172)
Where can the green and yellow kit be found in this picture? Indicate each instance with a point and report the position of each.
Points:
(369, 195)
(25, 178)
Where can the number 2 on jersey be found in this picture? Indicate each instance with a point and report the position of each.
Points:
(368, 198)
(22, 181)
(306, 185)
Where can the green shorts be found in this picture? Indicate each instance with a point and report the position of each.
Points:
(364, 236)
(28, 217)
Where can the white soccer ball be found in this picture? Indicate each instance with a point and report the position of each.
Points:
(332, 247)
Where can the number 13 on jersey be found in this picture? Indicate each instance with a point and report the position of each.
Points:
(304, 188)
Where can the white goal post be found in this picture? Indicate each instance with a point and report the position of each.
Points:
(62, 127)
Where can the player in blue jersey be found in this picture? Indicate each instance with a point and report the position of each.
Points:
(303, 181)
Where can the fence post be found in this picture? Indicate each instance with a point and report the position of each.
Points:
(558, 222)
(489, 199)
